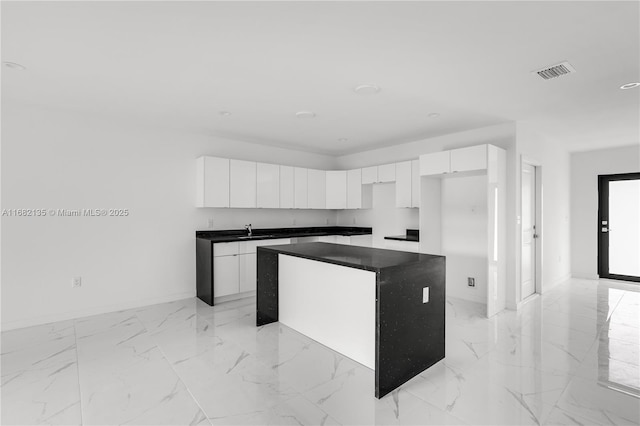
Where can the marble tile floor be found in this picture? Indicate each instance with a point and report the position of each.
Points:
(569, 357)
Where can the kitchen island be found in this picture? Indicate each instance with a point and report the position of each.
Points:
(382, 308)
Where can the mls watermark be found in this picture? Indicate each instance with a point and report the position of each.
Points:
(65, 212)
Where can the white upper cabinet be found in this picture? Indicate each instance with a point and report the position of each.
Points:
(387, 173)
(243, 184)
(468, 159)
(301, 190)
(415, 183)
(369, 175)
(317, 187)
(454, 161)
(403, 184)
(354, 189)
(379, 174)
(268, 185)
(435, 163)
(336, 189)
(212, 185)
(286, 187)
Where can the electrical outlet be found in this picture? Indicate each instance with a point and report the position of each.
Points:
(425, 294)
(76, 282)
(471, 282)
(210, 223)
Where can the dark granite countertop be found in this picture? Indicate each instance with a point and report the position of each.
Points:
(232, 235)
(402, 238)
(411, 235)
(370, 259)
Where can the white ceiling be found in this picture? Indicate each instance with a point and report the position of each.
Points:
(179, 64)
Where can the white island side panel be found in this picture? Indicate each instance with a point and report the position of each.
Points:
(334, 305)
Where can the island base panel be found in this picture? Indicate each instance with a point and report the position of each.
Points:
(204, 271)
(332, 304)
(411, 334)
(267, 288)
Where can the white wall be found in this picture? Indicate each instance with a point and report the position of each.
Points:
(384, 218)
(59, 160)
(554, 161)
(464, 235)
(585, 168)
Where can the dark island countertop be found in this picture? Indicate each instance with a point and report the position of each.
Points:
(367, 258)
(232, 235)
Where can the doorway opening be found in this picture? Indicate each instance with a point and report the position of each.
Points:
(619, 226)
(531, 229)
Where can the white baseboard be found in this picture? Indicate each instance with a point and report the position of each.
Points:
(585, 276)
(46, 319)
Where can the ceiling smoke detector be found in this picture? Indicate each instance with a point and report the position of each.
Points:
(555, 71)
(305, 114)
(630, 86)
(366, 89)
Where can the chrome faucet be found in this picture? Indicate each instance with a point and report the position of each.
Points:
(249, 230)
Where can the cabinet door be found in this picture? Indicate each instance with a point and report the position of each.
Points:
(387, 173)
(435, 163)
(415, 183)
(286, 187)
(225, 275)
(300, 196)
(243, 184)
(410, 246)
(327, 239)
(361, 240)
(248, 272)
(468, 159)
(343, 239)
(268, 185)
(403, 184)
(336, 189)
(317, 187)
(369, 175)
(212, 182)
(354, 189)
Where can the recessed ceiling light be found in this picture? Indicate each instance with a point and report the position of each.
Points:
(366, 89)
(305, 114)
(342, 139)
(224, 113)
(629, 86)
(14, 66)
(433, 115)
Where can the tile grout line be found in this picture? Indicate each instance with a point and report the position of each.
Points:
(75, 336)
(176, 373)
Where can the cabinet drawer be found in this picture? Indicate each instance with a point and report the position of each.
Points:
(225, 249)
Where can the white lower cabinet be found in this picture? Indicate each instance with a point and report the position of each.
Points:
(248, 272)
(412, 246)
(235, 266)
(226, 277)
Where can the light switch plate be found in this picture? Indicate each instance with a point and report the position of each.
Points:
(425, 294)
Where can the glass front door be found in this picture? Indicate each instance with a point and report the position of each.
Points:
(619, 227)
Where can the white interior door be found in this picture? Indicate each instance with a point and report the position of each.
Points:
(528, 262)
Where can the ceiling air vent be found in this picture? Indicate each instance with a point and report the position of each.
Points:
(557, 70)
